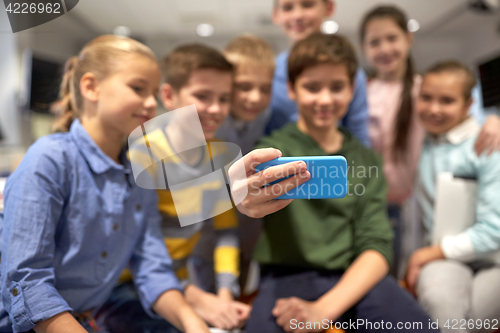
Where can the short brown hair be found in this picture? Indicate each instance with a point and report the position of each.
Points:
(454, 66)
(319, 49)
(249, 49)
(178, 65)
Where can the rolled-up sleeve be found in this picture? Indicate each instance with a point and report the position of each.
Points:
(151, 265)
(372, 230)
(34, 199)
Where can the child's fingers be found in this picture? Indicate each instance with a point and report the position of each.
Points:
(480, 144)
(271, 207)
(276, 190)
(277, 172)
(252, 159)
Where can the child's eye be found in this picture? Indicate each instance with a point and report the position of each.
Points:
(224, 99)
(137, 89)
(266, 90)
(392, 38)
(337, 88)
(447, 100)
(308, 4)
(374, 43)
(201, 97)
(312, 88)
(243, 87)
(287, 7)
(425, 98)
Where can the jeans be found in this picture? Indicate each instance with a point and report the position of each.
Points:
(123, 313)
(386, 302)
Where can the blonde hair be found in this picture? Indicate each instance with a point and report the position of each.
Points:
(249, 49)
(99, 57)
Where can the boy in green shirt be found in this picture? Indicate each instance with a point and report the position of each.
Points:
(325, 262)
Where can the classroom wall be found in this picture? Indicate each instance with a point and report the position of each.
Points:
(467, 36)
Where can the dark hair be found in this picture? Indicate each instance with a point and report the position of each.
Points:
(454, 66)
(178, 65)
(321, 49)
(99, 56)
(405, 113)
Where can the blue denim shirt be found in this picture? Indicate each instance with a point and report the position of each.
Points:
(284, 110)
(73, 220)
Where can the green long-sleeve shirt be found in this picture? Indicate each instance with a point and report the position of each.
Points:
(328, 233)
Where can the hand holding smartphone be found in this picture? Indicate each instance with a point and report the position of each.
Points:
(328, 177)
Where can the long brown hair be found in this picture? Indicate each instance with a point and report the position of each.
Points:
(405, 113)
(99, 57)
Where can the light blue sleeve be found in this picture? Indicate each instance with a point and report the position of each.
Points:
(151, 265)
(356, 118)
(34, 199)
(485, 233)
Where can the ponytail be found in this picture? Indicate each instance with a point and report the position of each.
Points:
(99, 57)
(404, 115)
(64, 109)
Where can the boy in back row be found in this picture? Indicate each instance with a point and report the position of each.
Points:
(327, 259)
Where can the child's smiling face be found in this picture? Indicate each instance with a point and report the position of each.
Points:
(300, 18)
(252, 91)
(127, 97)
(210, 91)
(441, 104)
(323, 93)
(386, 47)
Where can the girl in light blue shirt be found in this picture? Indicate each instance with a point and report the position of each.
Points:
(457, 280)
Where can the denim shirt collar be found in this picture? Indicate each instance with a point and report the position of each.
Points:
(98, 161)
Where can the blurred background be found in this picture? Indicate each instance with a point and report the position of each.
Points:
(31, 61)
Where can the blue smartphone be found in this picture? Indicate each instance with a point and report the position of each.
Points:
(328, 177)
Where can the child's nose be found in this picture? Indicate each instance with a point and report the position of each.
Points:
(325, 97)
(214, 107)
(435, 107)
(254, 95)
(151, 102)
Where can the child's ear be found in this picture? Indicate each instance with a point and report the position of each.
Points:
(291, 92)
(276, 15)
(410, 38)
(167, 96)
(89, 87)
(330, 8)
(469, 104)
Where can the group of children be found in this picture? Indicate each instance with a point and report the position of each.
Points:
(85, 249)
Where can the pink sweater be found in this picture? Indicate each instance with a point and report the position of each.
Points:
(384, 100)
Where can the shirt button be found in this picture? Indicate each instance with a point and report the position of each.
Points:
(138, 207)
(14, 292)
(115, 227)
(104, 254)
